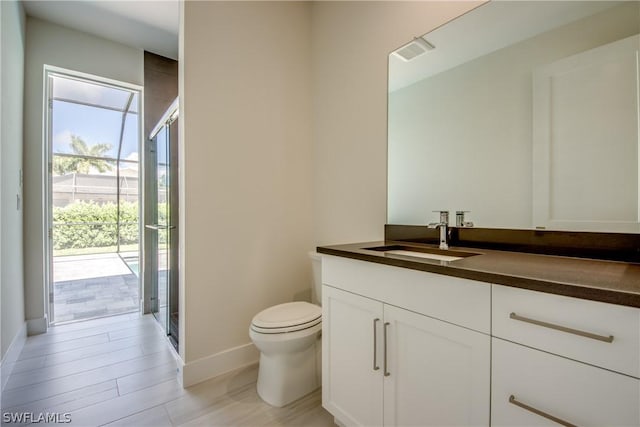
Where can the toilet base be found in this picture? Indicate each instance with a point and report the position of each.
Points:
(283, 378)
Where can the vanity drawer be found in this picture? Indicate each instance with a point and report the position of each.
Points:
(574, 392)
(459, 301)
(601, 334)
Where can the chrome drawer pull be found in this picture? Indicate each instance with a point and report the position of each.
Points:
(512, 400)
(375, 345)
(608, 339)
(386, 372)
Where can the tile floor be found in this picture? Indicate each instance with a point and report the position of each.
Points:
(90, 286)
(120, 371)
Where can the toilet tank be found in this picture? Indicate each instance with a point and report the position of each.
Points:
(316, 268)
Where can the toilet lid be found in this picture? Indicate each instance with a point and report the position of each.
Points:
(287, 317)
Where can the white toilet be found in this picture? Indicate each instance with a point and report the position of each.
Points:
(288, 337)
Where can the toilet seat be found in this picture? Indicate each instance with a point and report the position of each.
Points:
(287, 317)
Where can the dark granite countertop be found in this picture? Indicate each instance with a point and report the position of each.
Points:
(613, 282)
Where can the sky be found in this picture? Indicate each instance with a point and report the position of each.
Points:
(94, 125)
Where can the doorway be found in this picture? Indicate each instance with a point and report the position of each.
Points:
(161, 233)
(93, 139)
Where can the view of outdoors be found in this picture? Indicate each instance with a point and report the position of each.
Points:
(94, 132)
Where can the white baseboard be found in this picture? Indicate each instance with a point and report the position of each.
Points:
(37, 326)
(176, 356)
(12, 354)
(338, 422)
(180, 370)
(218, 364)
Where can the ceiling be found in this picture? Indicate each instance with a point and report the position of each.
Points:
(151, 25)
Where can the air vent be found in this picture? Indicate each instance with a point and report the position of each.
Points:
(413, 49)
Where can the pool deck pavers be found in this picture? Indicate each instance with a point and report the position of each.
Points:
(89, 286)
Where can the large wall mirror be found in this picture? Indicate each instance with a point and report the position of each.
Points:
(524, 113)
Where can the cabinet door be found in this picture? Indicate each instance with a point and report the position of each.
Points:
(351, 387)
(438, 373)
(552, 386)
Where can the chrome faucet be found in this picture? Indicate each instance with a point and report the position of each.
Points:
(443, 225)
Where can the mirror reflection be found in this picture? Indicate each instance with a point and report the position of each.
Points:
(524, 113)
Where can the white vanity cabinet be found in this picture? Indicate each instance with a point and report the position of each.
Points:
(531, 387)
(351, 387)
(388, 356)
(438, 373)
(404, 347)
(561, 360)
(597, 333)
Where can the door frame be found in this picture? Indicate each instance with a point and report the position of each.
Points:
(47, 163)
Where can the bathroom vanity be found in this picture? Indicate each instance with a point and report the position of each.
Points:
(526, 114)
(494, 338)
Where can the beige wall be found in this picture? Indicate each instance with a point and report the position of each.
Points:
(245, 167)
(52, 44)
(283, 114)
(12, 35)
(351, 41)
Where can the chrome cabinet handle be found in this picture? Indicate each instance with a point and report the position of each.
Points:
(375, 345)
(603, 338)
(513, 401)
(386, 371)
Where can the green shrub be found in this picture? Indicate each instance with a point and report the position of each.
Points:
(90, 225)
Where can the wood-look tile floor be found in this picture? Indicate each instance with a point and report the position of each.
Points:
(120, 371)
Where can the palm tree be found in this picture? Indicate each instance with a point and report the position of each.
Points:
(90, 158)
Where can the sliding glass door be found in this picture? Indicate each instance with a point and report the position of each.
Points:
(160, 228)
(162, 200)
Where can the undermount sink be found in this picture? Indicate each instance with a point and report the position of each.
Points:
(421, 252)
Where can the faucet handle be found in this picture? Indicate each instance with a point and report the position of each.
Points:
(460, 222)
(460, 218)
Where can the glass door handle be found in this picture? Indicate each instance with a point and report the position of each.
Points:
(159, 227)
